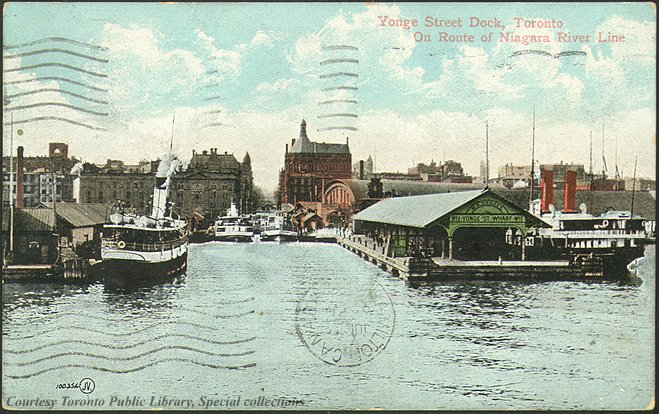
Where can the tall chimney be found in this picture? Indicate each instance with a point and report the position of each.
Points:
(547, 188)
(19, 178)
(361, 169)
(570, 191)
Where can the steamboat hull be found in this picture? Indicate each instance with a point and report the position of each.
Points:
(136, 272)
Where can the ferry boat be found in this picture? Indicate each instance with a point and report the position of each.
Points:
(615, 236)
(234, 227)
(277, 229)
(138, 247)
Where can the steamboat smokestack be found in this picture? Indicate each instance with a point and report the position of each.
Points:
(547, 188)
(570, 191)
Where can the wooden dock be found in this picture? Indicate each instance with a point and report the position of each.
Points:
(437, 268)
(71, 270)
(29, 272)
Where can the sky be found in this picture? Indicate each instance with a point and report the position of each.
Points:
(108, 78)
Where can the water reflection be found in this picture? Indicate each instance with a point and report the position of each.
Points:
(17, 295)
(148, 296)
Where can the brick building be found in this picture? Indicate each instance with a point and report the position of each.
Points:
(43, 178)
(311, 168)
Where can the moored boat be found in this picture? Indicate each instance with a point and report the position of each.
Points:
(135, 248)
(278, 228)
(234, 227)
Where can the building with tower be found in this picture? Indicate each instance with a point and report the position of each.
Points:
(312, 168)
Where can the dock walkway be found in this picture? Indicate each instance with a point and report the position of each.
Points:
(438, 268)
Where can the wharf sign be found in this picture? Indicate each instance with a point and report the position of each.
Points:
(487, 218)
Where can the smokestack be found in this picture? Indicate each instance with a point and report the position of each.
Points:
(159, 198)
(547, 188)
(286, 149)
(19, 178)
(570, 191)
(361, 169)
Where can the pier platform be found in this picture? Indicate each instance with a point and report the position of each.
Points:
(438, 268)
(30, 272)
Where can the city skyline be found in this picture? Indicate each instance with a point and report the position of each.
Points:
(241, 78)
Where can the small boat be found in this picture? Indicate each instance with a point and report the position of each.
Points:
(234, 227)
(278, 228)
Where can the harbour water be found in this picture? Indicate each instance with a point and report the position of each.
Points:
(228, 332)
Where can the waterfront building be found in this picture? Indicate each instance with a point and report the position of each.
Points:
(467, 225)
(35, 237)
(450, 172)
(363, 170)
(79, 223)
(211, 181)
(39, 179)
(205, 188)
(101, 187)
(312, 168)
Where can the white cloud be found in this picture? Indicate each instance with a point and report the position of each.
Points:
(143, 71)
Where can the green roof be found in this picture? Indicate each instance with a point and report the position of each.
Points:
(416, 211)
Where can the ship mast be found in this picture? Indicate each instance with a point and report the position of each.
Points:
(603, 160)
(590, 169)
(532, 160)
(487, 154)
(633, 188)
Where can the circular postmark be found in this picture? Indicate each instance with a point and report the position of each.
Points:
(345, 327)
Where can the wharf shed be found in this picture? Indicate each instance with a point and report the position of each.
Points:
(35, 239)
(465, 225)
(78, 223)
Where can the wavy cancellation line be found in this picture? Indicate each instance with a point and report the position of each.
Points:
(56, 78)
(85, 329)
(130, 358)
(54, 118)
(338, 60)
(215, 111)
(338, 115)
(62, 91)
(341, 88)
(337, 101)
(135, 345)
(57, 39)
(57, 65)
(238, 315)
(340, 47)
(333, 128)
(234, 302)
(54, 50)
(336, 74)
(196, 325)
(126, 371)
(63, 105)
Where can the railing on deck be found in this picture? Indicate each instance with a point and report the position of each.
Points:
(145, 247)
